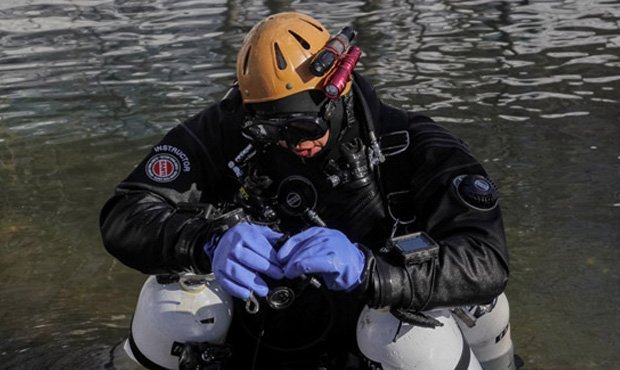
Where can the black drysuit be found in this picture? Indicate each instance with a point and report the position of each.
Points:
(154, 221)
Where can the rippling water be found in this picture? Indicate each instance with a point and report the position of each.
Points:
(87, 86)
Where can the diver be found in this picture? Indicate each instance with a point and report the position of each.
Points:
(304, 224)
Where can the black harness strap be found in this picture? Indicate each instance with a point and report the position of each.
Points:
(140, 357)
(465, 359)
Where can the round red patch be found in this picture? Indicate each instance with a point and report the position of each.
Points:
(163, 168)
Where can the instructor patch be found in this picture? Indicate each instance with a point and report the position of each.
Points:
(163, 168)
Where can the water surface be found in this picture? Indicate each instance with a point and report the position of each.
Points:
(87, 86)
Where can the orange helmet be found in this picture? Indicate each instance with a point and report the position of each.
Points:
(273, 61)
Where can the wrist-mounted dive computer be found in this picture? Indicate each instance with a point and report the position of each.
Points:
(413, 248)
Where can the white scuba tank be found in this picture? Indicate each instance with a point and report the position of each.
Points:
(395, 345)
(488, 333)
(192, 309)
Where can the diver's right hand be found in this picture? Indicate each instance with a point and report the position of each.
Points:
(244, 251)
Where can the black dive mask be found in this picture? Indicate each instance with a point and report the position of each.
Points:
(292, 128)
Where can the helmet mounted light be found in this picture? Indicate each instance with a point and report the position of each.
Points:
(341, 76)
(338, 52)
(324, 60)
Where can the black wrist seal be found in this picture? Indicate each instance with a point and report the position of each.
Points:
(396, 278)
(384, 284)
(192, 233)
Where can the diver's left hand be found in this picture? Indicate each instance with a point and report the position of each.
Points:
(323, 252)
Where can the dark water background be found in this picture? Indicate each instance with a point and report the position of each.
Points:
(86, 87)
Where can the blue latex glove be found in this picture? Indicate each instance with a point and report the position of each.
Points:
(323, 252)
(244, 251)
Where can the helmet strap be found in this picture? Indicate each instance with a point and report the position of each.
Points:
(334, 115)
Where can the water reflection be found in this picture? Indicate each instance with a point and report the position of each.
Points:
(86, 87)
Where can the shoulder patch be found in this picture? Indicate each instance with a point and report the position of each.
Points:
(163, 168)
(167, 164)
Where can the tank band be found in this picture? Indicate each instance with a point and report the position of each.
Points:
(465, 359)
(140, 356)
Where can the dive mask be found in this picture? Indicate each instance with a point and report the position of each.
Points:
(292, 128)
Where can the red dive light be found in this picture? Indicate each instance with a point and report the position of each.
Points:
(338, 80)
